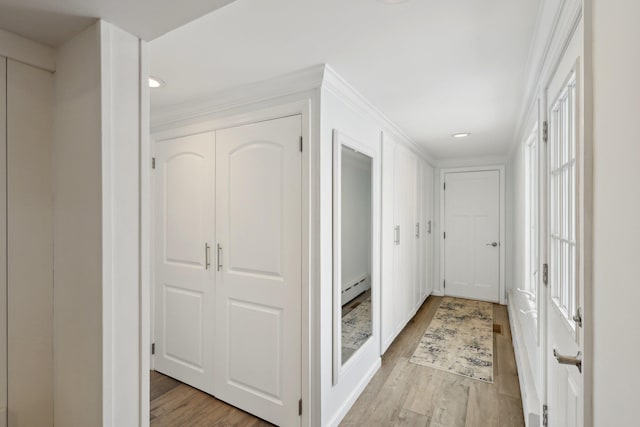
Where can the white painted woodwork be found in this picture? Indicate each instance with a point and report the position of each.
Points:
(565, 236)
(472, 224)
(405, 195)
(258, 283)
(3, 242)
(29, 244)
(184, 275)
(429, 227)
(407, 185)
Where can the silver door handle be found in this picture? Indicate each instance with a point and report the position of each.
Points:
(569, 360)
(396, 237)
(207, 261)
(429, 226)
(494, 244)
(417, 230)
(219, 254)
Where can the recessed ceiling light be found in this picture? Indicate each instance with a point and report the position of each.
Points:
(155, 82)
(461, 135)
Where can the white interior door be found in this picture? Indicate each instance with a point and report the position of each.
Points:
(184, 286)
(404, 216)
(565, 237)
(472, 235)
(258, 297)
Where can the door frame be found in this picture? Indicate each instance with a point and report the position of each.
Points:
(503, 237)
(248, 114)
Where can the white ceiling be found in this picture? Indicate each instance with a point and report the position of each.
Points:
(52, 22)
(434, 67)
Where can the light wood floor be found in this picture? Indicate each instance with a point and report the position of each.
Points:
(405, 394)
(400, 394)
(174, 404)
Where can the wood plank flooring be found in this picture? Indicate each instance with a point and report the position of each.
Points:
(405, 394)
(174, 404)
(400, 394)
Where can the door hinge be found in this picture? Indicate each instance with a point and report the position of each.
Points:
(153, 163)
(545, 131)
(301, 144)
(545, 274)
(545, 415)
(444, 283)
(300, 407)
(444, 186)
(153, 348)
(445, 235)
(578, 317)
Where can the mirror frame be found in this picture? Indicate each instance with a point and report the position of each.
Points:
(340, 140)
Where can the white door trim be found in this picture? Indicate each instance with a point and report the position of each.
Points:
(503, 243)
(310, 378)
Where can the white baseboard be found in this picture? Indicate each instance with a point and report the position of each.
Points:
(530, 400)
(437, 293)
(346, 406)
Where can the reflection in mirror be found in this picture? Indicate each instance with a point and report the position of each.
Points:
(356, 249)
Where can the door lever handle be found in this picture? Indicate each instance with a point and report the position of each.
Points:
(569, 360)
(494, 244)
(219, 256)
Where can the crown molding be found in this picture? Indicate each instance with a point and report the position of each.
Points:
(227, 99)
(336, 84)
(313, 78)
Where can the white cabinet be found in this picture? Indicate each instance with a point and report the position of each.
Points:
(407, 242)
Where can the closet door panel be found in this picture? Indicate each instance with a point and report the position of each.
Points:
(184, 281)
(429, 227)
(30, 244)
(406, 217)
(401, 272)
(388, 294)
(419, 235)
(258, 280)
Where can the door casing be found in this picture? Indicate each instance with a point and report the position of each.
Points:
(503, 241)
(310, 378)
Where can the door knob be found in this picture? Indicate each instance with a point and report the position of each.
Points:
(569, 360)
(494, 244)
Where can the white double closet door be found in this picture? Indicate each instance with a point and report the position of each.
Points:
(228, 265)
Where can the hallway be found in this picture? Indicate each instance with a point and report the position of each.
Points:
(406, 394)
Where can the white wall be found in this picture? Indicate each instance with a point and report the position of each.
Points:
(616, 254)
(336, 400)
(78, 232)
(3, 242)
(26, 334)
(96, 237)
(29, 245)
(356, 217)
(121, 146)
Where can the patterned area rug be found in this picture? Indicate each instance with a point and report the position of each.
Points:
(356, 325)
(459, 339)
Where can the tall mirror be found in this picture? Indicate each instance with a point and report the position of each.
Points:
(353, 249)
